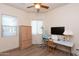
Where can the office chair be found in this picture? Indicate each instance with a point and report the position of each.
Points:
(45, 38)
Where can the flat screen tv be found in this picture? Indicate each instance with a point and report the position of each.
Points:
(57, 30)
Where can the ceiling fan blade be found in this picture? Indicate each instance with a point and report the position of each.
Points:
(30, 6)
(46, 7)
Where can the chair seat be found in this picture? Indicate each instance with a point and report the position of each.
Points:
(52, 45)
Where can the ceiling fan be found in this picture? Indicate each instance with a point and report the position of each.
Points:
(38, 6)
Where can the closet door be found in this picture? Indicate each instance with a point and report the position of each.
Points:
(25, 37)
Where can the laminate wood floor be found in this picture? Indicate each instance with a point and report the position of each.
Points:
(34, 50)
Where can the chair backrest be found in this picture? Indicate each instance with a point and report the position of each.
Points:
(50, 43)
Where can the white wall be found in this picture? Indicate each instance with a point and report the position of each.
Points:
(68, 16)
(23, 18)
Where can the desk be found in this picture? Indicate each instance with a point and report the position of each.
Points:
(67, 44)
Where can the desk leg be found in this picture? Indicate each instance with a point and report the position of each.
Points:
(70, 51)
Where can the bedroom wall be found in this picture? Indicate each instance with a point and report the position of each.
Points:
(23, 18)
(68, 16)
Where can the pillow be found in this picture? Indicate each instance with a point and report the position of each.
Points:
(61, 37)
(54, 37)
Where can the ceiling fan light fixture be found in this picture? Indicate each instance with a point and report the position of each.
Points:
(37, 6)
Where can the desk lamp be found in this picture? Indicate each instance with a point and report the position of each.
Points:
(68, 34)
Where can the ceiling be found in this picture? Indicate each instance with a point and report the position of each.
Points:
(23, 6)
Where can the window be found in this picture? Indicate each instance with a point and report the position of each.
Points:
(9, 25)
(37, 27)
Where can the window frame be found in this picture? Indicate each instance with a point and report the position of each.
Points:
(2, 34)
